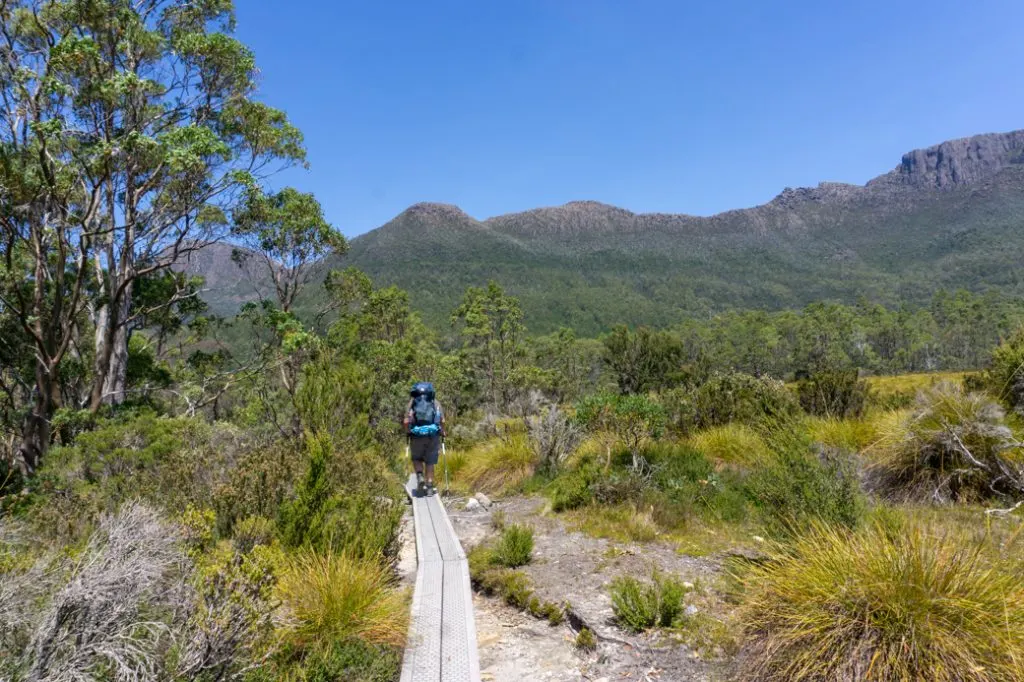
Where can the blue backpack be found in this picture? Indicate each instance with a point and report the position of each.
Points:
(426, 416)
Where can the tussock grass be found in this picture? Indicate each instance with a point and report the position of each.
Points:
(850, 435)
(951, 445)
(330, 597)
(884, 603)
(499, 465)
(734, 445)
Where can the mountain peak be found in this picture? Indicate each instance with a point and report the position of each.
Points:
(437, 211)
(957, 163)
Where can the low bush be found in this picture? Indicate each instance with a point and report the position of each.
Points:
(953, 445)
(1004, 376)
(514, 547)
(554, 437)
(571, 490)
(585, 640)
(640, 606)
(839, 394)
(344, 502)
(872, 604)
(687, 484)
(329, 598)
(801, 486)
(738, 397)
(252, 532)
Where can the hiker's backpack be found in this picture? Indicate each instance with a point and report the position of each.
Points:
(426, 417)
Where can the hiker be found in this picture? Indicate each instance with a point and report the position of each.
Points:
(424, 425)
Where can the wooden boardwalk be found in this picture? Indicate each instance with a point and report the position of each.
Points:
(442, 634)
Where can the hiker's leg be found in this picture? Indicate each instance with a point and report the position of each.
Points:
(418, 466)
(430, 473)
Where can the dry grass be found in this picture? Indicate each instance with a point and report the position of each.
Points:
(621, 523)
(332, 598)
(887, 388)
(909, 602)
(734, 445)
(499, 465)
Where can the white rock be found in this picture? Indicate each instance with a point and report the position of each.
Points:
(483, 499)
(473, 504)
(758, 538)
(690, 611)
(688, 586)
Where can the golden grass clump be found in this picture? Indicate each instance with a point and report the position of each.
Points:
(908, 604)
(953, 445)
(499, 465)
(850, 435)
(329, 598)
(733, 445)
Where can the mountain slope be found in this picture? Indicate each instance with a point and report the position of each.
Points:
(947, 216)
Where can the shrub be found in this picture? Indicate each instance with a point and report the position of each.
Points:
(952, 445)
(572, 490)
(800, 486)
(331, 598)
(514, 547)
(734, 445)
(258, 484)
(633, 419)
(687, 483)
(585, 640)
(553, 437)
(640, 606)
(842, 605)
(252, 532)
(837, 393)
(738, 397)
(344, 502)
(1004, 376)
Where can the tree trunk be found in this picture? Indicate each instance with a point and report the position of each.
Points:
(111, 366)
(35, 430)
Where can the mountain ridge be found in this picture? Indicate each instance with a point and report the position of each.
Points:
(947, 216)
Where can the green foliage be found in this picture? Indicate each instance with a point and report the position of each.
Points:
(738, 397)
(632, 418)
(572, 489)
(644, 360)
(343, 502)
(514, 548)
(585, 640)
(334, 398)
(640, 606)
(490, 325)
(801, 487)
(835, 393)
(1004, 376)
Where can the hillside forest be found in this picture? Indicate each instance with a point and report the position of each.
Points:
(190, 497)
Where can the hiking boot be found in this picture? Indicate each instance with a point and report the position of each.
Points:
(431, 489)
(421, 486)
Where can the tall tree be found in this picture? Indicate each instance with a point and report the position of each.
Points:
(129, 132)
(490, 323)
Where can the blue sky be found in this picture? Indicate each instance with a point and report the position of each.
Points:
(652, 105)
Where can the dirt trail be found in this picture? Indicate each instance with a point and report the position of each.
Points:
(573, 568)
